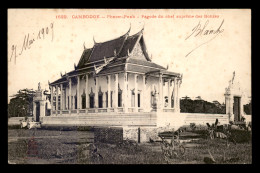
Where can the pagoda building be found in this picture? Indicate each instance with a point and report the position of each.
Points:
(116, 76)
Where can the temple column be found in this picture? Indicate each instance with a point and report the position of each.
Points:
(57, 99)
(61, 98)
(136, 92)
(125, 92)
(178, 95)
(108, 91)
(160, 100)
(78, 97)
(143, 93)
(116, 93)
(168, 94)
(34, 110)
(175, 94)
(227, 104)
(86, 90)
(69, 100)
(96, 94)
(51, 99)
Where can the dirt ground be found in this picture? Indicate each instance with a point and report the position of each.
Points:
(66, 147)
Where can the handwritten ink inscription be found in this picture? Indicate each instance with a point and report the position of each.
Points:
(197, 31)
(30, 39)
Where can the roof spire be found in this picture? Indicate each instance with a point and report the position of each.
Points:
(94, 40)
(129, 29)
(142, 29)
(84, 45)
(115, 53)
(105, 60)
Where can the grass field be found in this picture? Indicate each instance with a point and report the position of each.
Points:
(67, 147)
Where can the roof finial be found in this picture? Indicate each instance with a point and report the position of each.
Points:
(115, 53)
(95, 67)
(142, 29)
(48, 82)
(167, 67)
(60, 74)
(94, 40)
(75, 66)
(84, 45)
(105, 60)
(129, 29)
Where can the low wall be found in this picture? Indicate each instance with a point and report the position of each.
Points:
(176, 120)
(103, 119)
(16, 120)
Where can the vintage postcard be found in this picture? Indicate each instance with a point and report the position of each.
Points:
(129, 86)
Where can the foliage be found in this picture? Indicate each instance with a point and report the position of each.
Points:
(21, 105)
(248, 108)
(200, 106)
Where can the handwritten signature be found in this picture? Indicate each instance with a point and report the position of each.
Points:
(30, 39)
(198, 31)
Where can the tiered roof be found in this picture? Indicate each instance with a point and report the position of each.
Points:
(120, 51)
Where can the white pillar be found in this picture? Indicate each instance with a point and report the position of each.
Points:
(61, 98)
(86, 90)
(34, 110)
(51, 101)
(178, 95)
(115, 101)
(57, 99)
(136, 92)
(96, 94)
(143, 93)
(108, 91)
(78, 96)
(160, 98)
(174, 94)
(69, 100)
(168, 94)
(125, 92)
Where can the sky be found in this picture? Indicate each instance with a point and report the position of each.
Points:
(55, 44)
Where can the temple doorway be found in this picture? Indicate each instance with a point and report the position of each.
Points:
(37, 111)
(236, 108)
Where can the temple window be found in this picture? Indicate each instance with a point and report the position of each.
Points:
(111, 99)
(83, 100)
(138, 99)
(119, 97)
(68, 102)
(100, 98)
(76, 101)
(106, 99)
(91, 99)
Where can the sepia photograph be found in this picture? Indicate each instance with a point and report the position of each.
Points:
(129, 86)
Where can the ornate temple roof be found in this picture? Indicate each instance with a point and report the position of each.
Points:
(113, 55)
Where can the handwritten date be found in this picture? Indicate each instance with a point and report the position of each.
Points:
(30, 39)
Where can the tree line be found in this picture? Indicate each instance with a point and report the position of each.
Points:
(201, 106)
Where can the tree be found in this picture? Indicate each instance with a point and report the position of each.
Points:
(248, 108)
(21, 105)
(200, 106)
